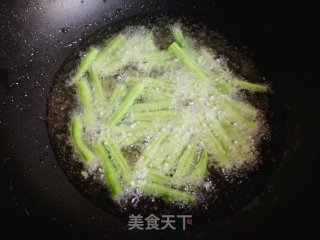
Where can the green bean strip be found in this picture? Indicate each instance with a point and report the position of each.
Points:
(201, 167)
(110, 174)
(253, 87)
(188, 61)
(158, 177)
(125, 105)
(161, 57)
(171, 161)
(160, 156)
(216, 147)
(111, 47)
(77, 130)
(166, 192)
(120, 162)
(240, 136)
(131, 138)
(221, 84)
(155, 95)
(151, 150)
(133, 127)
(85, 97)
(244, 108)
(98, 89)
(225, 141)
(116, 96)
(233, 115)
(84, 65)
(113, 67)
(160, 116)
(151, 106)
(186, 160)
(153, 83)
(179, 37)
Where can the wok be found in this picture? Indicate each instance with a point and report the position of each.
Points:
(38, 199)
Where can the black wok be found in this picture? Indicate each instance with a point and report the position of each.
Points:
(36, 37)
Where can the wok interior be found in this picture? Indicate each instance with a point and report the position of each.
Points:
(231, 190)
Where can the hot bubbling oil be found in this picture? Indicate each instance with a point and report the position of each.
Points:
(219, 185)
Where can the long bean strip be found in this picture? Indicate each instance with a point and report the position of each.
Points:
(111, 47)
(120, 162)
(77, 131)
(86, 100)
(167, 192)
(125, 105)
(85, 64)
(110, 174)
(99, 93)
(188, 61)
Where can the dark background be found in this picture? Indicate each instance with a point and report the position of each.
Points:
(36, 197)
